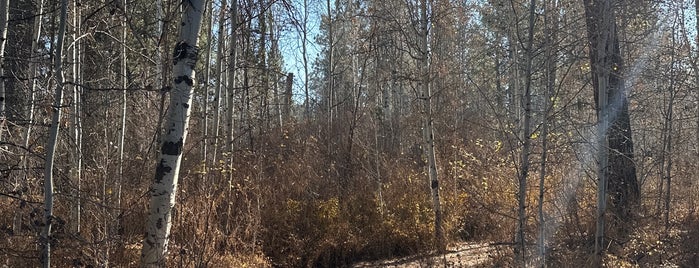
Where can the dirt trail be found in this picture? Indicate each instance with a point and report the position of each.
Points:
(468, 254)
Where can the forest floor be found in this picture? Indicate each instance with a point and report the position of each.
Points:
(464, 254)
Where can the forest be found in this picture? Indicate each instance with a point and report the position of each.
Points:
(349, 133)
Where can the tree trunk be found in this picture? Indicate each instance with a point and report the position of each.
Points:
(288, 93)
(4, 15)
(163, 190)
(304, 52)
(263, 121)
(77, 122)
(551, 22)
(232, 65)
(52, 142)
(276, 68)
(207, 79)
(219, 78)
(428, 128)
(696, 78)
(122, 132)
(331, 77)
(526, 139)
(616, 168)
(231, 107)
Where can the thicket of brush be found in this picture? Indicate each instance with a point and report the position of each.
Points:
(285, 208)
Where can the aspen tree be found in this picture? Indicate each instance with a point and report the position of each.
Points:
(4, 15)
(164, 187)
(77, 121)
(46, 239)
(122, 128)
(428, 128)
(219, 78)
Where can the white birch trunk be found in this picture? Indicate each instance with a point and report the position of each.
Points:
(219, 77)
(4, 15)
(428, 129)
(164, 186)
(77, 124)
(122, 132)
(53, 139)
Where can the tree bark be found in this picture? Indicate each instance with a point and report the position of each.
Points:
(162, 192)
(331, 76)
(288, 87)
(616, 168)
(526, 139)
(304, 52)
(428, 128)
(207, 78)
(122, 132)
(52, 142)
(232, 65)
(219, 78)
(231, 107)
(551, 22)
(77, 121)
(262, 65)
(4, 15)
(696, 73)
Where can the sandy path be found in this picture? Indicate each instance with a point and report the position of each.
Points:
(467, 254)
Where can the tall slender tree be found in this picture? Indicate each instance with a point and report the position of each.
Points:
(616, 166)
(526, 138)
(428, 128)
(220, 84)
(77, 120)
(123, 85)
(551, 22)
(4, 16)
(207, 79)
(52, 142)
(233, 57)
(232, 65)
(164, 187)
